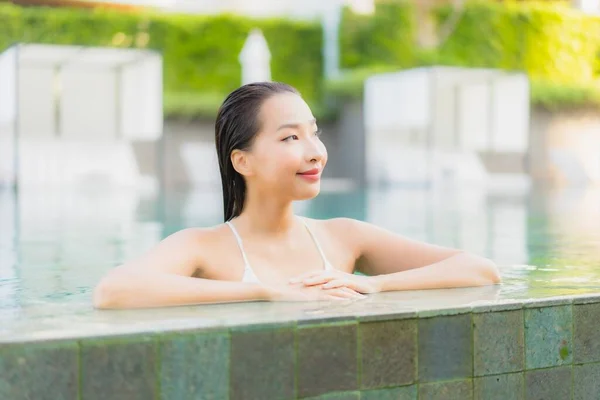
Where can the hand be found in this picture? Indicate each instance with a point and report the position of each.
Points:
(337, 279)
(313, 293)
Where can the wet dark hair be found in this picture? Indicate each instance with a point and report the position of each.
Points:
(236, 126)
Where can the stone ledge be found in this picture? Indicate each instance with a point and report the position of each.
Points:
(500, 352)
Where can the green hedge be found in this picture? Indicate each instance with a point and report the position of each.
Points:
(200, 53)
(560, 97)
(551, 42)
(558, 47)
(386, 37)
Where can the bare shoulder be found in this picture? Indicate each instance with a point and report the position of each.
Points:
(198, 236)
(215, 252)
(201, 240)
(185, 252)
(340, 225)
(189, 238)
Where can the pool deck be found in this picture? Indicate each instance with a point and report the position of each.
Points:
(79, 320)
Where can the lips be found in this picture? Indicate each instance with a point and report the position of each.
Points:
(312, 175)
(314, 171)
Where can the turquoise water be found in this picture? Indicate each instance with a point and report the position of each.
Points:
(54, 246)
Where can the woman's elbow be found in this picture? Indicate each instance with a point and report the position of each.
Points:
(490, 272)
(105, 294)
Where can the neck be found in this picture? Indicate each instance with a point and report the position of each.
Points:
(267, 214)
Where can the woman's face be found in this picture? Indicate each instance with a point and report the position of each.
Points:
(287, 156)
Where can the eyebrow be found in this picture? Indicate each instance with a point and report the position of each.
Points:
(296, 125)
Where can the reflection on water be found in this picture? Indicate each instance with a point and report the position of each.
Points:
(54, 246)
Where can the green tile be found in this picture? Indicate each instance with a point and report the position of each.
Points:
(123, 369)
(337, 396)
(499, 387)
(548, 384)
(445, 348)
(497, 305)
(262, 364)
(548, 302)
(195, 366)
(586, 335)
(398, 393)
(586, 381)
(440, 312)
(456, 390)
(380, 315)
(39, 371)
(327, 359)
(498, 342)
(327, 319)
(262, 326)
(388, 353)
(548, 336)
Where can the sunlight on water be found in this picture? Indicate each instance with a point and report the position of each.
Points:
(54, 246)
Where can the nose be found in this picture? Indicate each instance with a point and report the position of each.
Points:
(315, 151)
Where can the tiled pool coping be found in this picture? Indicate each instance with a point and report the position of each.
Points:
(391, 346)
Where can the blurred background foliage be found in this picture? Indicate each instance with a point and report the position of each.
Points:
(558, 47)
(387, 37)
(200, 53)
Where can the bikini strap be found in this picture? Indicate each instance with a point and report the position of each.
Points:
(314, 238)
(239, 242)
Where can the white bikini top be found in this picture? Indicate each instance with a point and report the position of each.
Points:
(250, 276)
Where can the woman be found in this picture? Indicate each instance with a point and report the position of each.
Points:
(270, 155)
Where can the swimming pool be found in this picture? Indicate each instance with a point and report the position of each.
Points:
(54, 246)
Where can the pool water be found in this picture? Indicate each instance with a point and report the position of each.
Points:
(55, 245)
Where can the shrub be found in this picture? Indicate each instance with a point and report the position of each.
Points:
(200, 53)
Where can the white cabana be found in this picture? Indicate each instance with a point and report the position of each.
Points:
(445, 123)
(68, 114)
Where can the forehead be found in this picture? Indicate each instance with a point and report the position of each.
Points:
(284, 108)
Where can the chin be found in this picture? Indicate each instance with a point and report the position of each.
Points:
(308, 194)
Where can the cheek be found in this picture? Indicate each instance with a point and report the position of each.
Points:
(279, 161)
(288, 160)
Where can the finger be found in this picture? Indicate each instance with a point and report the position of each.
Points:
(348, 290)
(354, 293)
(318, 280)
(335, 283)
(300, 278)
(342, 283)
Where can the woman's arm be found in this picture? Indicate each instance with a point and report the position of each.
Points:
(132, 290)
(163, 277)
(459, 270)
(399, 263)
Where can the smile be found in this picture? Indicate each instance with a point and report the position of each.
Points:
(311, 175)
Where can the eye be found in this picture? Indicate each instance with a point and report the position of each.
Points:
(287, 139)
